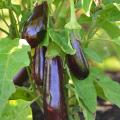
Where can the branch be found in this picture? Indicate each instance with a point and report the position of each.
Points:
(4, 31)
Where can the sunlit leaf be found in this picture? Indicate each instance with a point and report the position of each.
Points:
(12, 58)
(86, 91)
(17, 110)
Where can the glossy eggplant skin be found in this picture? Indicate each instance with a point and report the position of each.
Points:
(38, 65)
(77, 63)
(54, 100)
(34, 30)
(21, 77)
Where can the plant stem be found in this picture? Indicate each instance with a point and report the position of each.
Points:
(35, 90)
(13, 22)
(72, 10)
(4, 31)
(3, 19)
(31, 81)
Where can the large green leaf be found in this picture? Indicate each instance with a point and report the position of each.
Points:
(110, 88)
(17, 110)
(88, 115)
(86, 91)
(111, 12)
(112, 29)
(12, 58)
(93, 55)
(62, 40)
(116, 41)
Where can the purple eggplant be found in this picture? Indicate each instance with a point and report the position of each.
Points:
(34, 30)
(54, 101)
(77, 63)
(21, 77)
(38, 65)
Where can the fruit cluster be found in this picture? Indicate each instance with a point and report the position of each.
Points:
(48, 72)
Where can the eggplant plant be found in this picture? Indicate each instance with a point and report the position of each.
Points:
(65, 45)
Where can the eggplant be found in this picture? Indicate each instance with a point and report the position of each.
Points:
(38, 65)
(54, 101)
(34, 30)
(78, 63)
(21, 77)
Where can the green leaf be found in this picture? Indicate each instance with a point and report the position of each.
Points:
(22, 93)
(116, 41)
(117, 6)
(92, 54)
(99, 91)
(45, 42)
(60, 14)
(85, 19)
(12, 58)
(56, 2)
(87, 93)
(111, 12)
(16, 9)
(88, 115)
(110, 1)
(86, 5)
(25, 15)
(4, 4)
(17, 110)
(53, 50)
(112, 30)
(111, 89)
(62, 40)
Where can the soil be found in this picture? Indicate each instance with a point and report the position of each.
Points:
(107, 111)
(36, 112)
